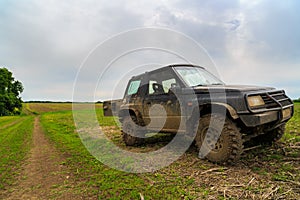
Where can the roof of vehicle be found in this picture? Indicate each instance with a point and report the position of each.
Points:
(167, 66)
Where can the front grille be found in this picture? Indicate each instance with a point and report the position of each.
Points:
(280, 98)
(269, 102)
(274, 100)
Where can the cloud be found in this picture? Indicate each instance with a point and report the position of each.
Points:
(234, 24)
(255, 42)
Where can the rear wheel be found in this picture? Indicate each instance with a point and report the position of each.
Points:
(131, 131)
(220, 148)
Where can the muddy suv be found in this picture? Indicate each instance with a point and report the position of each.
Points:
(188, 99)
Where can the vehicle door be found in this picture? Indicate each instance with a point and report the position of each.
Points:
(133, 95)
(161, 107)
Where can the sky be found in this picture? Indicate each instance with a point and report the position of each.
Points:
(46, 43)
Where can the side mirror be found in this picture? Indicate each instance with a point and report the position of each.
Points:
(187, 90)
(175, 88)
(174, 85)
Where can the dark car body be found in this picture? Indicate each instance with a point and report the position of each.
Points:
(278, 107)
(188, 99)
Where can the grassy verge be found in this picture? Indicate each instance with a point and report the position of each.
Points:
(15, 143)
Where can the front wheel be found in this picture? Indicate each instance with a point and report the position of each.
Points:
(225, 147)
(131, 131)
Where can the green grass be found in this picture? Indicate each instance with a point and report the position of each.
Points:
(106, 121)
(292, 133)
(7, 120)
(100, 180)
(275, 166)
(177, 181)
(15, 143)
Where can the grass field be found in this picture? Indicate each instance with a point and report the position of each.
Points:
(265, 172)
(39, 108)
(15, 137)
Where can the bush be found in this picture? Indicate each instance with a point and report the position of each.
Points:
(297, 100)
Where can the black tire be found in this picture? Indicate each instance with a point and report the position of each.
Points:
(229, 145)
(131, 132)
(272, 136)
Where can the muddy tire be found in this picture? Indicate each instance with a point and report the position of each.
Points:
(131, 132)
(223, 150)
(272, 136)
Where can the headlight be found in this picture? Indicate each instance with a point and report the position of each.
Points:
(255, 101)
(286, 113)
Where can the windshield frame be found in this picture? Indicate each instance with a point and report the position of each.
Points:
(202, 70)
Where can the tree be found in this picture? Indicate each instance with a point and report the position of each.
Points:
(10, 90)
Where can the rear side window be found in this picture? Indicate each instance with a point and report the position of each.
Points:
(133, 87)
(151, 91)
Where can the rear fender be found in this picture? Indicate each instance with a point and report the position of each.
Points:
(130, 112)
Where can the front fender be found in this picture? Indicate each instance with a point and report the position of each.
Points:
(229, 108)
(206, 109)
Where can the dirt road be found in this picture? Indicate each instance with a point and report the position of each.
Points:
(44, 174)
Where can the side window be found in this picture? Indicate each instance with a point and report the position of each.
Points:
(167, 84)
(160, 82)
(133, 87)
(151, 90)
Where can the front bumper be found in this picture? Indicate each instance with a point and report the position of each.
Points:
(275, 117)
(277, 109)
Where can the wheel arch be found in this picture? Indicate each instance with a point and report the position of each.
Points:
(207, 109)
(129, 112)
(219, 108)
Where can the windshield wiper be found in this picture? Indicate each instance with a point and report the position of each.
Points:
(208, 84)
(217, 84)
(199, 85)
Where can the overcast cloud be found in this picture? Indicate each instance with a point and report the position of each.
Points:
(251, 42)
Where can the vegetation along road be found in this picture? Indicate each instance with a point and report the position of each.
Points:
(42, 157)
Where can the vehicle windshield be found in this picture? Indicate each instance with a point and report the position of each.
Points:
(196, 76)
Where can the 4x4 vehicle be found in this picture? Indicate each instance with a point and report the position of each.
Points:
(192, 100)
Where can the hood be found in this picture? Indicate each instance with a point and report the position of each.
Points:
(231, 88)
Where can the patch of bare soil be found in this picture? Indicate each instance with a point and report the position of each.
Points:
(44, 175)
(251, 178)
